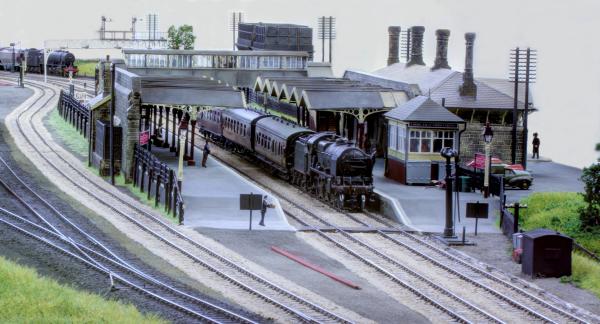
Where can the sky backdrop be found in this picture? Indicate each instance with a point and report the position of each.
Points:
(567, 91)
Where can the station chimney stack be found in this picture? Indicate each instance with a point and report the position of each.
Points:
(416, 52)
(468, 88)
(441, 54)
(394, 32)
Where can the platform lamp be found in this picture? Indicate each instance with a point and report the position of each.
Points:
(13, 57)
(488, 135)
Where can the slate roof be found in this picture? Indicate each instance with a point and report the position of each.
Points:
(492, 93)
(189, 91)
(341, 99)
(422, 108)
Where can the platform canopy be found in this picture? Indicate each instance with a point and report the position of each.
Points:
(189, 91)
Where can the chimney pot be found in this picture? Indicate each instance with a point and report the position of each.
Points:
(394, 33)
(416, 52)
(441, 56)
(469, 88)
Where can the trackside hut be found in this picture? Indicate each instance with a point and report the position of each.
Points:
(417, 131)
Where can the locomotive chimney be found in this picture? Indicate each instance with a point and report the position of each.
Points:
(441, 54)
(468, 88)
(394, 34)
(416, 52)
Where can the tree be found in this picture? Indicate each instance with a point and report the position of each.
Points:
(590, 214)
(181, 36)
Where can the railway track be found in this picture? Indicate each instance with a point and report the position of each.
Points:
(524, 305)
(237, 278)
(501, 299)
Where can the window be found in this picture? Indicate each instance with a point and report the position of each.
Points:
(393, 137)
(415, 137)
(401, 138)
(426, 141)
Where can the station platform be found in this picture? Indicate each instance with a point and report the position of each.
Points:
(211, 196)
(423, 208)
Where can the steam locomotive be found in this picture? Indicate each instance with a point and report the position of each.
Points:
(57, 63)
(322, 163)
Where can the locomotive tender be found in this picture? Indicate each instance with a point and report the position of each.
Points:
(322, 163)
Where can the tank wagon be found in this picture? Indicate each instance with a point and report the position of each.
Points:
(321, 163)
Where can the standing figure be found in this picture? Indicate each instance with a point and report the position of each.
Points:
(205, 153)
(536, 146)
(263, 209)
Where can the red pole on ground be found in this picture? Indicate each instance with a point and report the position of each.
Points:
(314, 267)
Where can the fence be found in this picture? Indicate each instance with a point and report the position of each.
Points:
(159, 181)
(74, 112)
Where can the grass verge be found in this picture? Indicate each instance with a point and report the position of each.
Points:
(25, 297)
(76, 143)
(68, 134)
(86, 67)
(559, 211)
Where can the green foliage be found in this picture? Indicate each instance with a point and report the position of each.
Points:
(181, 36)
(590, 213)
(559, 211)
(25, 297)
(86, 67)
(586, 274)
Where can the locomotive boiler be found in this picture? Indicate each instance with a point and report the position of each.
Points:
(333, 168)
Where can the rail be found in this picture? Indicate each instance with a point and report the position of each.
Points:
(77, 114)
(150, 174)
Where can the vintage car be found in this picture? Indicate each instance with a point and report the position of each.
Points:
(514, 174)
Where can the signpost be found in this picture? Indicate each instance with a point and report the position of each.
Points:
(250, 202)
(477, 210)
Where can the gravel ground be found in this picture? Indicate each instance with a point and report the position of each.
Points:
(187, 265)
(494, 249)
(50, 263)
(368, 301)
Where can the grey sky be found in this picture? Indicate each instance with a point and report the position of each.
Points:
(567, 91)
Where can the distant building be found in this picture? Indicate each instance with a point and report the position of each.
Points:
(275, 37)
(475, 100)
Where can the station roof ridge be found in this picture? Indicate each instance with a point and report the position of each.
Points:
(422, 108)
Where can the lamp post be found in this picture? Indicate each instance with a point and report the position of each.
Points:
(488, 135)
(193, 117)
(12, 69)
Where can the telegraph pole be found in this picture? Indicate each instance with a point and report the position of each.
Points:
(522, 70)
(326, 32)
(236, 18)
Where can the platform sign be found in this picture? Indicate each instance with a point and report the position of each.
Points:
(144, 137)
(477, 210)
(250, 202)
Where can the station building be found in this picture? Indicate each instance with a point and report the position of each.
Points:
(418, 130)
(474, 100)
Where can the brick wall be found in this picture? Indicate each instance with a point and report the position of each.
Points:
(471, 142)
(127, 110)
